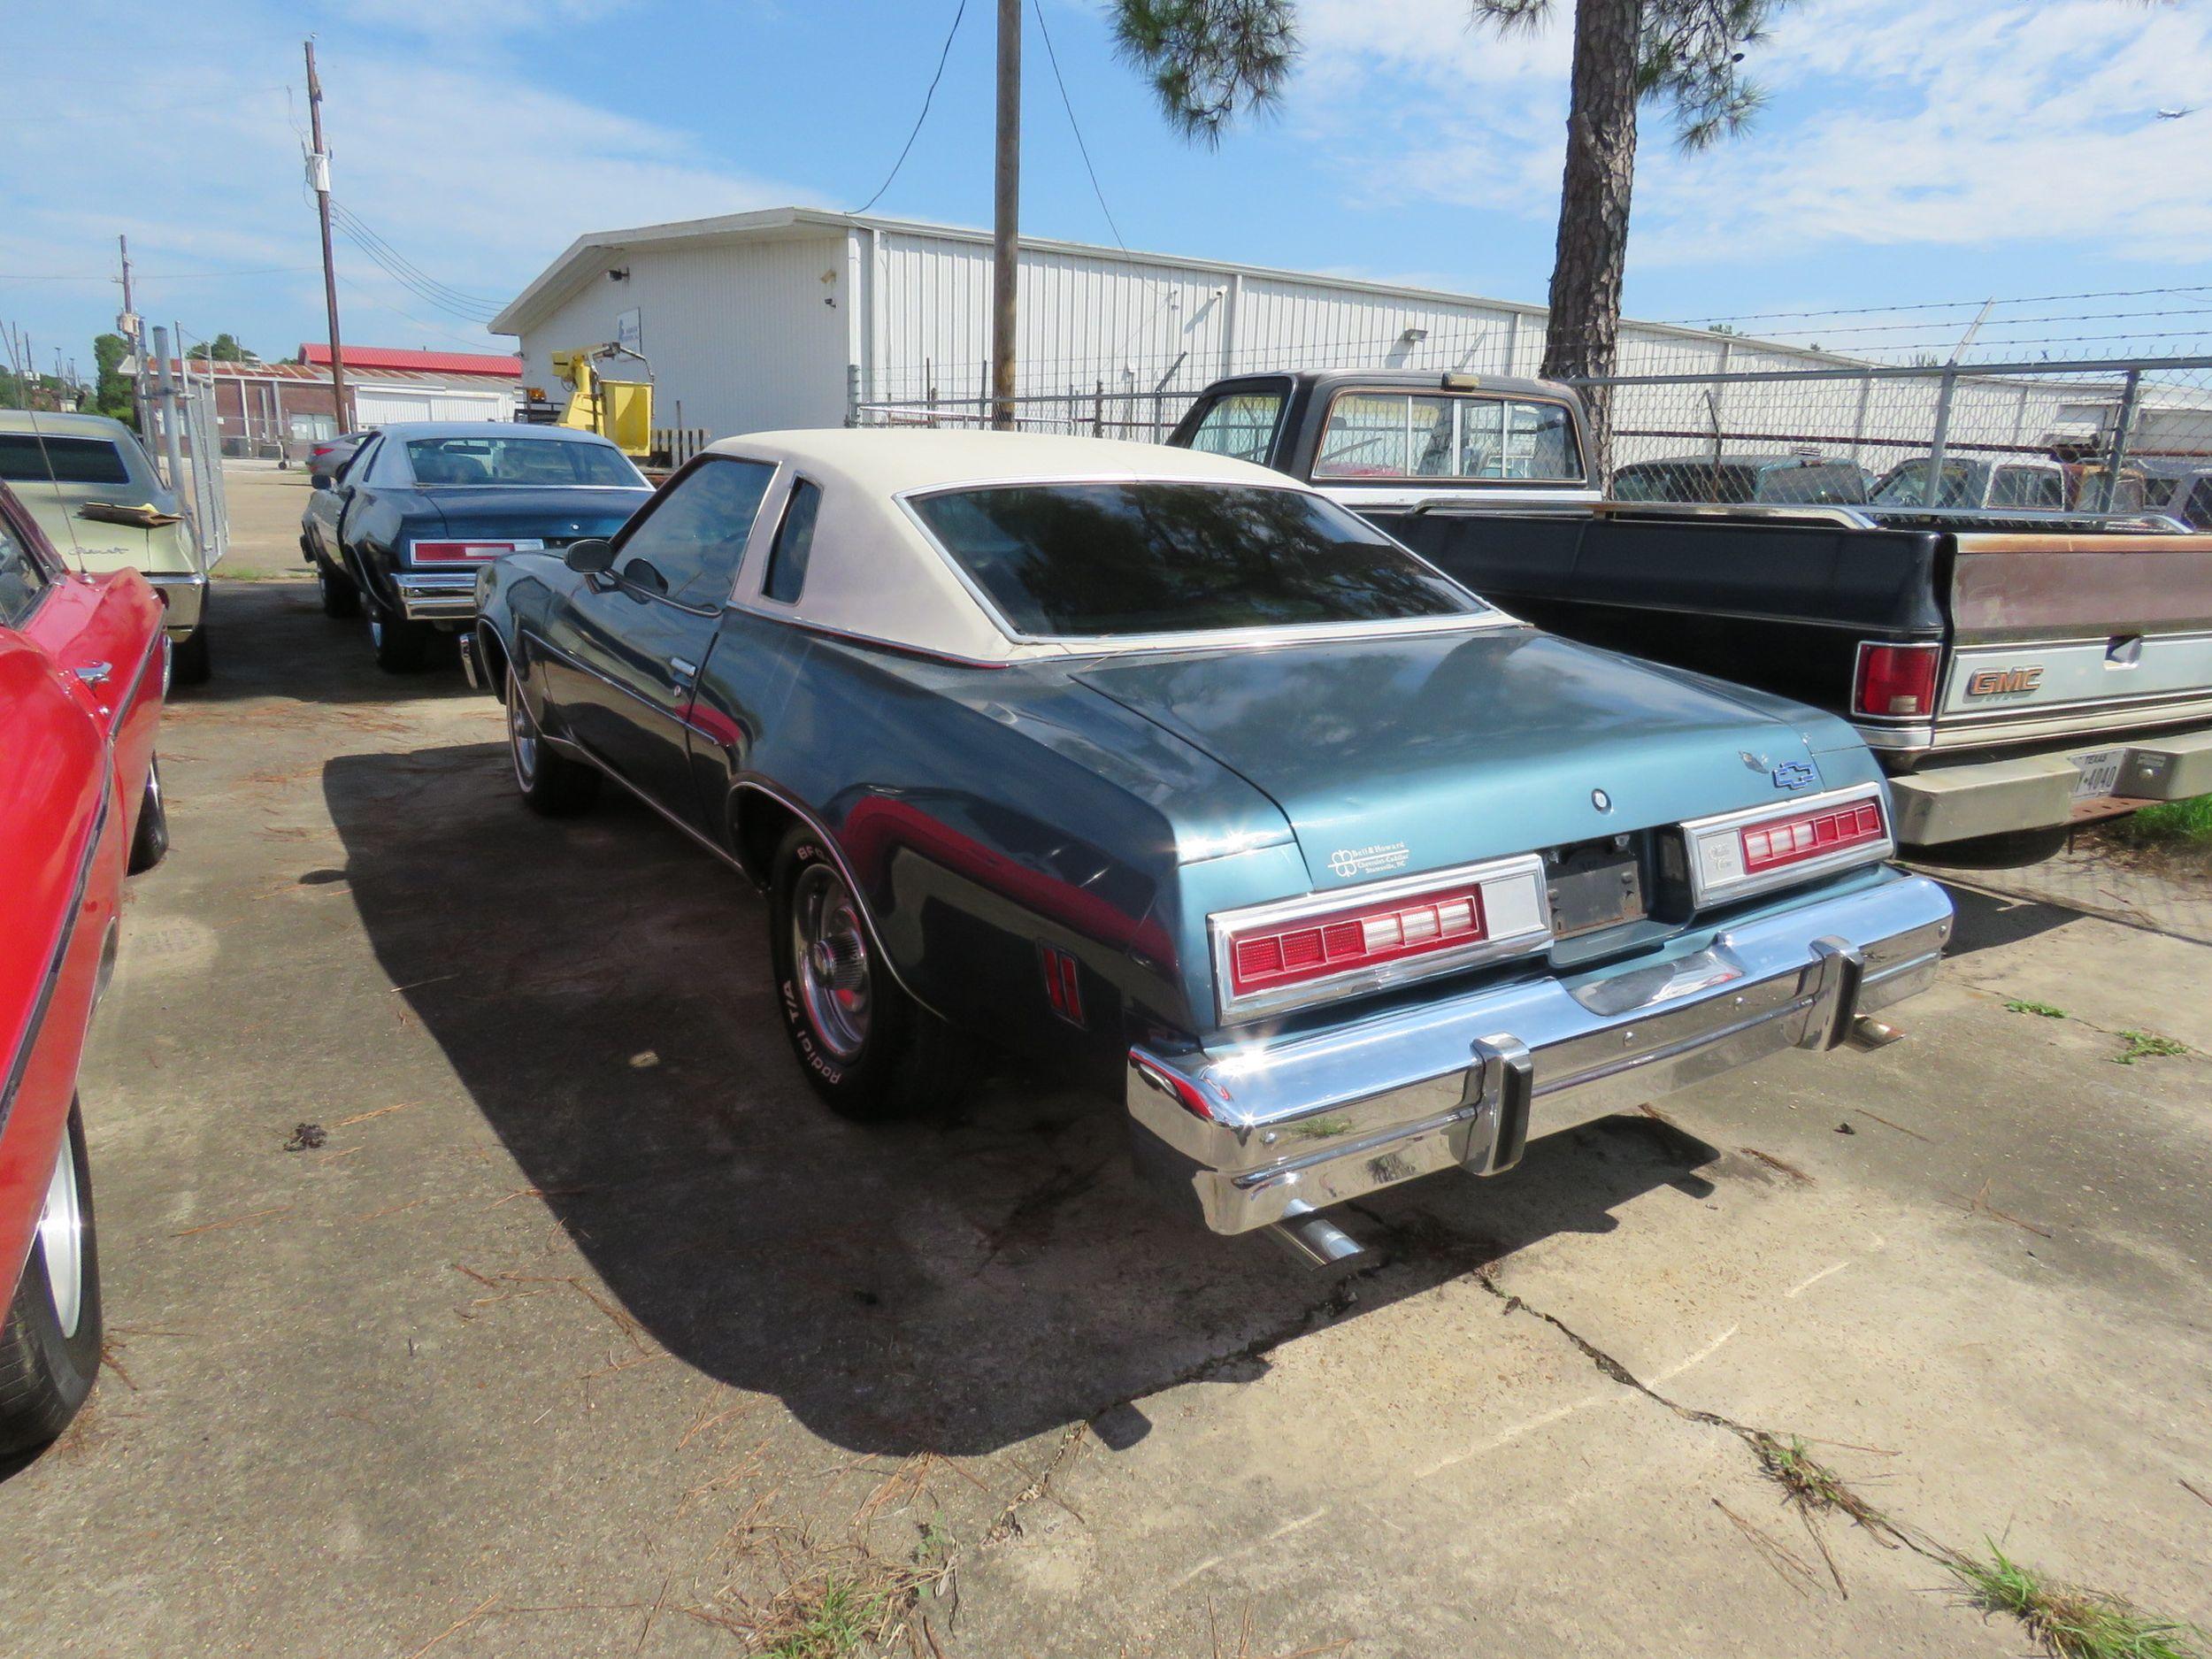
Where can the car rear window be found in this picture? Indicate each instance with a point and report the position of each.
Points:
(1079, 560)
(519, 460)
(29, 457)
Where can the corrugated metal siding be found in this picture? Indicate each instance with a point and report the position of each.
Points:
(738, 335)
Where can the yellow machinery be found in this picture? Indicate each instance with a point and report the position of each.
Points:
(621, 411)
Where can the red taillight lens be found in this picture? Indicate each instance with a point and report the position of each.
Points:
(1788, 840)
(1064, 986)
(1896, 679)
(1361, 936)
(458, 552)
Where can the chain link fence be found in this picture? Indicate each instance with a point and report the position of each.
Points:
(2123, 435)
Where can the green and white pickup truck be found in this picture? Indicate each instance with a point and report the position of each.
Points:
(92, 489)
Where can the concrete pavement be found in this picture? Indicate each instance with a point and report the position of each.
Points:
(587, 1331)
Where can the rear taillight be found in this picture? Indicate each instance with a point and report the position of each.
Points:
(1274, 956)
(1064, 984)
(1742, 853)
(1803, 835)
(1896, 680)
(458, 552)
(1366, 936)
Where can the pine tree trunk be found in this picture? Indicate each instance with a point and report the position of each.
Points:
(1584, 327)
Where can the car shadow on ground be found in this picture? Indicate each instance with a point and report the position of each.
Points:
(956, 1285)
(323, 659)
(1988, 920)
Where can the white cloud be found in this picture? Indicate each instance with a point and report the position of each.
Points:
(472, 170)
(1936, 123)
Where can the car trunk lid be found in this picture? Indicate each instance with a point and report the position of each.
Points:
(1418, 751)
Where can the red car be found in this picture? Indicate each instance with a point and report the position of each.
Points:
(84, 664)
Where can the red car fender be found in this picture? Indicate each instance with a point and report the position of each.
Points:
(82, 684)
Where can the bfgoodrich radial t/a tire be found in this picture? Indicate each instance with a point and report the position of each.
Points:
(49, 1347)
(869, 1049)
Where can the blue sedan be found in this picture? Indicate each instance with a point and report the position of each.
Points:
(402, 526)
(1166, 767)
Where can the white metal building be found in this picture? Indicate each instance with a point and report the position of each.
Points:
(790, 316)
(797, 316)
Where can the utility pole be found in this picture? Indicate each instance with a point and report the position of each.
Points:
(318, 175)
(134, 337)
(1005, 215)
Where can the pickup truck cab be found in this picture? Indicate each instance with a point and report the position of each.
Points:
(2029, 485)
(2018, 672)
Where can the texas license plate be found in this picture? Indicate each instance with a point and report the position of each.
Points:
(2099, 772)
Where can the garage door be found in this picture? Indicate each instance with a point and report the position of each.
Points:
(374, 406)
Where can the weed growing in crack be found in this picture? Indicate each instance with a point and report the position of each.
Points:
(2143, 1044)
(2021, 1005)
(2071, 1621)
(1812, 1484)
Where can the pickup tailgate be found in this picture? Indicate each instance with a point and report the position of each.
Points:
(2062, 636)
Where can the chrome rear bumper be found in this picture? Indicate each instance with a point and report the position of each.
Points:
(1255, 1133)
(439, 598)
(184, 596)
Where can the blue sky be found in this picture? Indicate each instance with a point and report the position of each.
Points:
(1915, 151)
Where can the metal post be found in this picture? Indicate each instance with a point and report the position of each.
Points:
(1932, 494)
(2130, 387)
(1005, 215)
(852, 394)
(318, 169)
(165, 403)
(1098, 411)
(1858, 426)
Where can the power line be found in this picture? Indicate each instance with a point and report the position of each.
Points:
(1998, 322)
(469, 307)
(1082, 149)
(369, 295)
(1935, 305)
(928, 97)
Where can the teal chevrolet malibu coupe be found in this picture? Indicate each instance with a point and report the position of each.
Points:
(1163, 763)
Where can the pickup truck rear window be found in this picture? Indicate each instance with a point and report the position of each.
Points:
(1239, 424)
(1061, 560)
(29, 457)
(1397, 435)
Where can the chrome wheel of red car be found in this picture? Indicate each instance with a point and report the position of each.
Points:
(831, 948)
(61, 1242)
(49, 1346)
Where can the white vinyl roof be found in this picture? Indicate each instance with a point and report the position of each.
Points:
(873, 572)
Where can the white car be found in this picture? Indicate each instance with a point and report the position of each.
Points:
(92, 487)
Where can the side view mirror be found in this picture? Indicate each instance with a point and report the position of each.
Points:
(593, 555)
(319, 480)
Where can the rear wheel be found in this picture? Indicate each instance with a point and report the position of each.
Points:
(550, 783)
(869, 1049)
(149, 845)
(402, 646)
(341, 597)
(49, 1347)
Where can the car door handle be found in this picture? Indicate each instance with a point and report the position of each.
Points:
(94, 673)
(682, 673)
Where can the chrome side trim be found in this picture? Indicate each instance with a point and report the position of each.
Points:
(1704, 834)
(33, 1026)
(604, 678)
